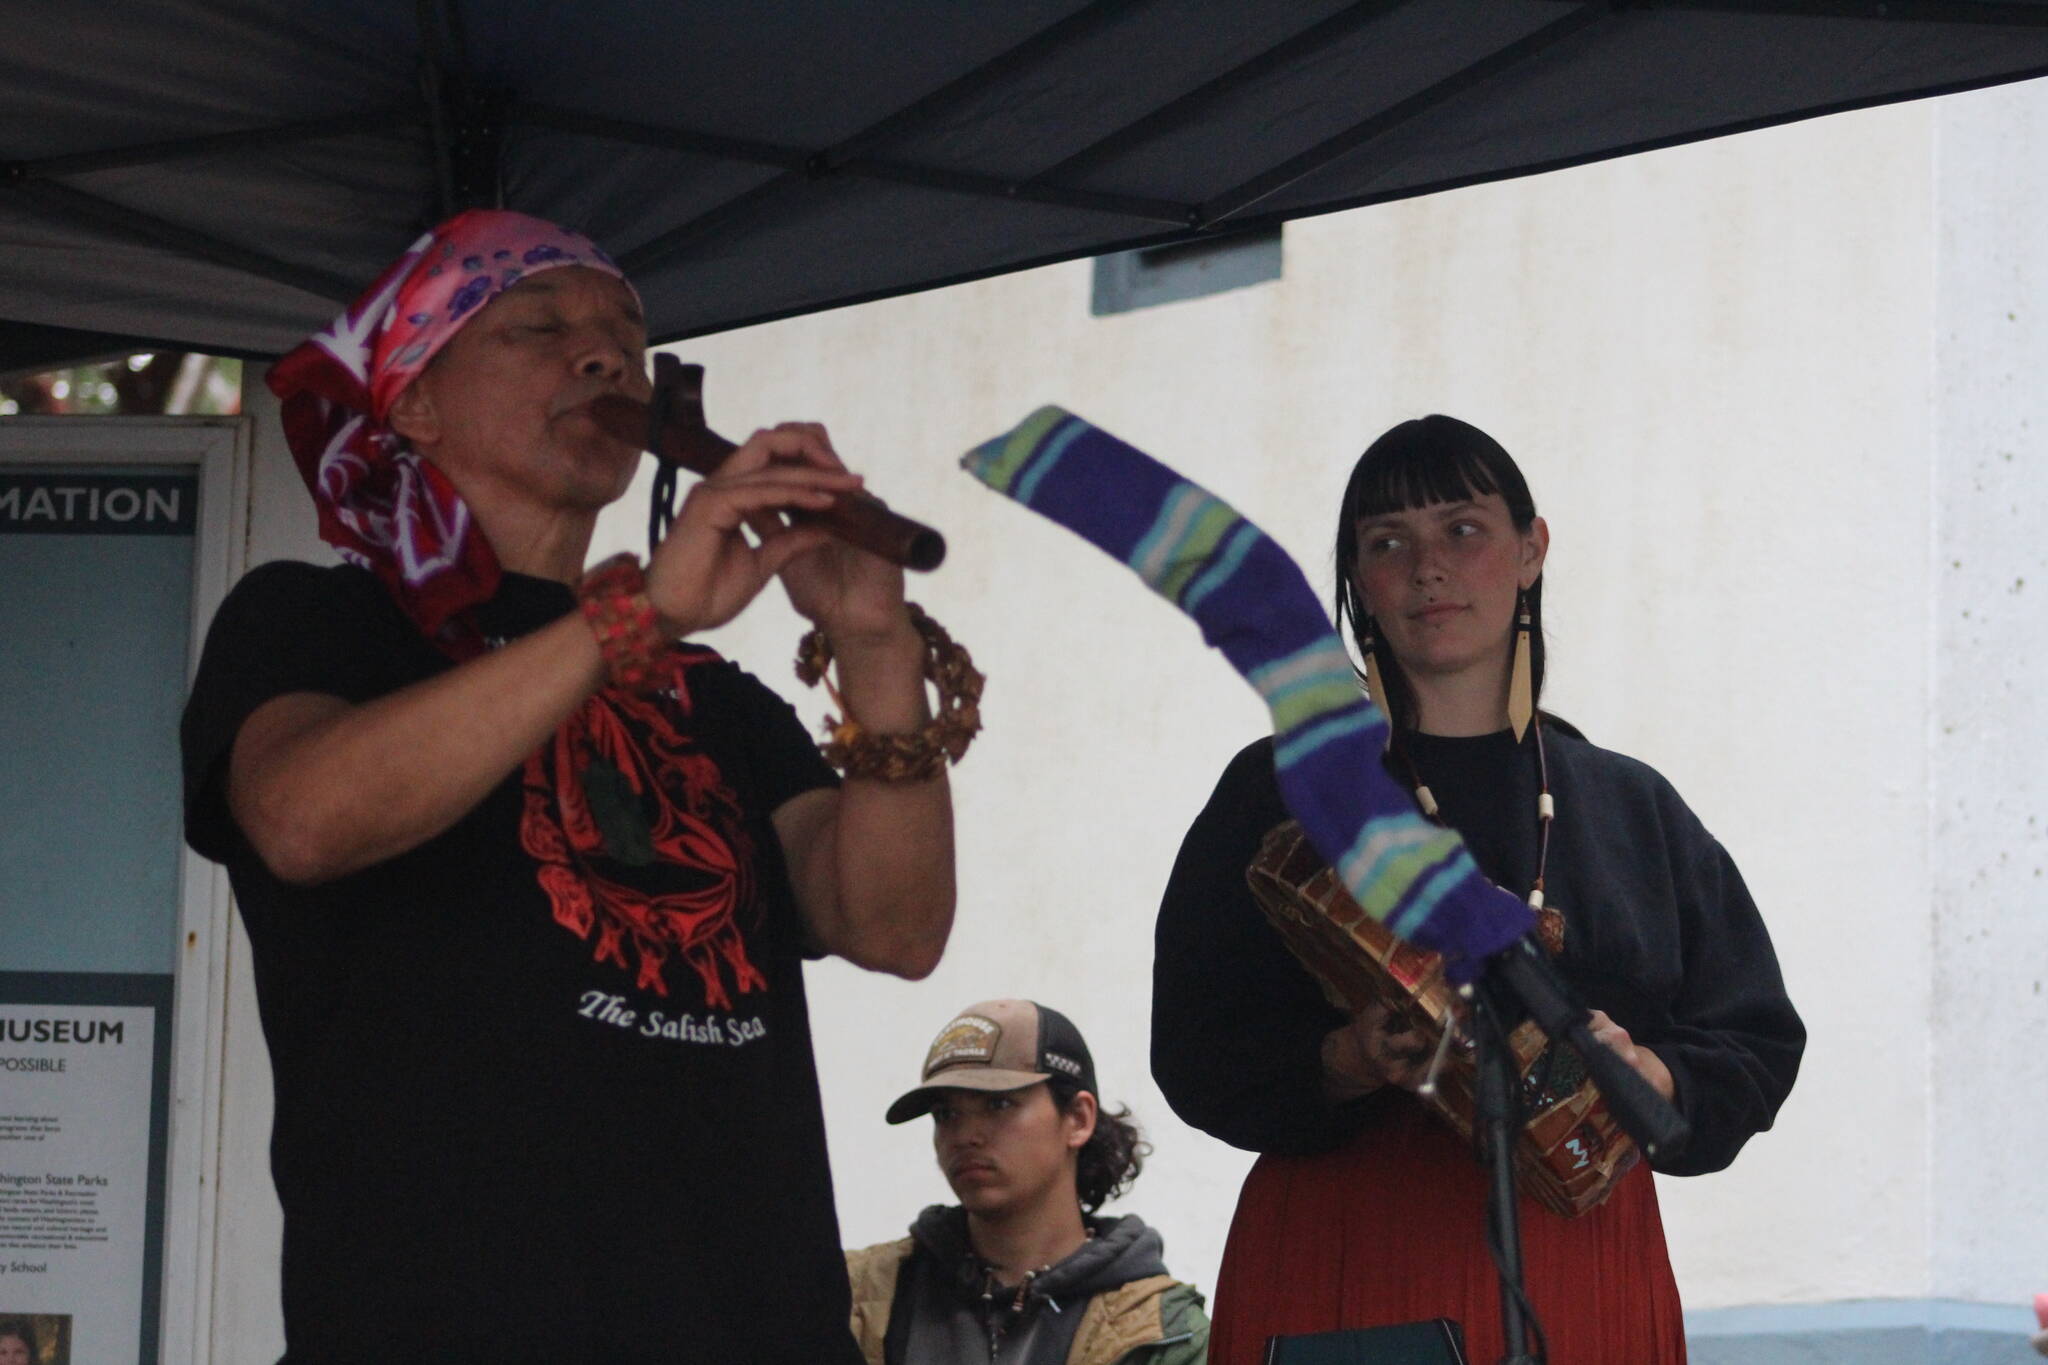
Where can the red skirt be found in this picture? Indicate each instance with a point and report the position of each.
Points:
(1392, 1228)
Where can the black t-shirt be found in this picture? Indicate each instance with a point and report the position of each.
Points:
(544, 1083)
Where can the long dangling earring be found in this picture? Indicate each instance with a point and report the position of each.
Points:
(1521, 683)
(1372, 665)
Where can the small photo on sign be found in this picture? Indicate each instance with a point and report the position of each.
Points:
(34, 1338)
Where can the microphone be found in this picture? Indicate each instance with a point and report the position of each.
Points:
(1526, 972)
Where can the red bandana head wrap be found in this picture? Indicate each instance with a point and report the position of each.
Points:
(381, 505)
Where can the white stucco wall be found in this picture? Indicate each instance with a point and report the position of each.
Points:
(1764, 389)
(1988, 730)
(1713, 364)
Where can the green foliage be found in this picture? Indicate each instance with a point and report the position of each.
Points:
(148, 384)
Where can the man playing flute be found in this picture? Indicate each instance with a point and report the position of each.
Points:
(529, 876)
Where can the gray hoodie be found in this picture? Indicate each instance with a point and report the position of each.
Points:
(961, 1314)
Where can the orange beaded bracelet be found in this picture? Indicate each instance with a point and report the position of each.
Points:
(613, 598)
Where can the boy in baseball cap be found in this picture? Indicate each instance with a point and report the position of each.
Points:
(1022, 1269)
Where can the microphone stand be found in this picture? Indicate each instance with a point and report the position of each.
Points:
(1496, 1119)
(1525, 975)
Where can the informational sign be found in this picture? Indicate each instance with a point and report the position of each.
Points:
(36, 502)
(108, 554)
(84, 1063)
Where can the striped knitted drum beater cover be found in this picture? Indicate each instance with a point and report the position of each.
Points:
(1253, 603)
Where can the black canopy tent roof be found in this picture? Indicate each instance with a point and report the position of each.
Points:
(222, 174)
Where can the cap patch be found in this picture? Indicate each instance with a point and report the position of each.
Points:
(1061, 1062)
(971, 1038)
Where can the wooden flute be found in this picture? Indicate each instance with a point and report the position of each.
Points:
(672, 428)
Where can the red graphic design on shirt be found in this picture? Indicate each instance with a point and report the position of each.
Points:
(685, 900)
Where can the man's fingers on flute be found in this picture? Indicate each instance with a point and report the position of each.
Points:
(730, 504)
(766, 523)
(793, 488)
(723, 511)
(801, 444)
(817, 433)
(788, 475)
(785, 543)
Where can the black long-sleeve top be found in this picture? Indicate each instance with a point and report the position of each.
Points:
(1660, 933)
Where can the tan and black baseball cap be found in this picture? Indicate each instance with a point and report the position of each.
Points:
(999, 1045)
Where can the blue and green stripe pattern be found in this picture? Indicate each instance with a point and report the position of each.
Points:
(1253, 603)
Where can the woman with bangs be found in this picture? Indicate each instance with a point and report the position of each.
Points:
(1364, 1209)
